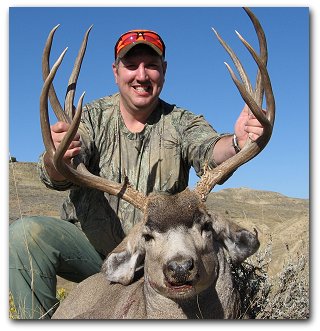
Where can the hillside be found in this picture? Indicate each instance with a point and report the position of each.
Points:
(285, 220)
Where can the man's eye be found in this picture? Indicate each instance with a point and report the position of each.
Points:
(153, 66)
(131, 67)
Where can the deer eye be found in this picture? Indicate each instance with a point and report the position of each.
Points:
(206, 227)
(147, 237)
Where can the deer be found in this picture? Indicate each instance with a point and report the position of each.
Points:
(176, 262)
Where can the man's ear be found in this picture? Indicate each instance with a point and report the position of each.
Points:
(115, 72)
(239, 242)
(165, 65)
(121, 264)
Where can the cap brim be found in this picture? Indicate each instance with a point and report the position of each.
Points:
(127, 48)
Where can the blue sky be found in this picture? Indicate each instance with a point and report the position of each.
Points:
(196, 79)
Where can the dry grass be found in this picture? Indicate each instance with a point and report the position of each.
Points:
(283, 296)
(13, 313)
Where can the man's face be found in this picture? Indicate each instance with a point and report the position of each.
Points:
(140, 77)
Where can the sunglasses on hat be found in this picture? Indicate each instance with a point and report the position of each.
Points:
(133, 37)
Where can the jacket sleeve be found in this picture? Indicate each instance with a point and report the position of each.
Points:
(198, 141)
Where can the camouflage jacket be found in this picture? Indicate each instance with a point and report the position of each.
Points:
(157, 159)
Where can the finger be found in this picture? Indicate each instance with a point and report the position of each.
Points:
(70, 153)
(75, 144)
(251, 115)
(57, 137)
(60, 127)
(68, 156)
(253, 130)
(252, 136)
(254, 123)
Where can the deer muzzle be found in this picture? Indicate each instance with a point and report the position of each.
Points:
(180, 271)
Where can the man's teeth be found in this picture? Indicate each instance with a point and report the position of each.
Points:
(142, 88)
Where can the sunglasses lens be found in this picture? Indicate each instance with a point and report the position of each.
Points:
(154, 39)
(133, 36)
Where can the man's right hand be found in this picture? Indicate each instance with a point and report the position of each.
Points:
(58, 131)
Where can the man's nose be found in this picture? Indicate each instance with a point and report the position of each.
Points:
(142, 72)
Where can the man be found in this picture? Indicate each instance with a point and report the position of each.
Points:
(132, 133)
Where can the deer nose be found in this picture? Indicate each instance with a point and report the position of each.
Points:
(180, 271)
(180, 267)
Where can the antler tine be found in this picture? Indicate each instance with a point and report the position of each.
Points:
(254, 100)
(79, 176)
(263, 53)
(44, 117)
(236, 61)
(249, 98)
(67, 139)
(265, 84)
(258, 93)
(68, 105)
(55, 104)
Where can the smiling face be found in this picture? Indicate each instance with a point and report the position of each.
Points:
(140, 78)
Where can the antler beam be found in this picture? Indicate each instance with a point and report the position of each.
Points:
(254, 99)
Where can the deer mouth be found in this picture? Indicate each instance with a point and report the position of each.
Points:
(180, 288)
(180, 282)
(173, 289)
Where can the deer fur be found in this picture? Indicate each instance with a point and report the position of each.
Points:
(185, 255)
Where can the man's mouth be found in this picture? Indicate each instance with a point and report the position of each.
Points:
(143, 89)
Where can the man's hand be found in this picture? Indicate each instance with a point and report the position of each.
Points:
(58, 131)
(247, 126)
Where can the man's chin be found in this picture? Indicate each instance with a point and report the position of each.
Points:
(145, 104)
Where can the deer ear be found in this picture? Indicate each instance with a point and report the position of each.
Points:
(122, 262)
(239, 242)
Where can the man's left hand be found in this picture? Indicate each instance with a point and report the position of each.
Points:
(247, 126)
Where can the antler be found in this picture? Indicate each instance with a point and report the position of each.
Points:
(78, 175)
(253, 98)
